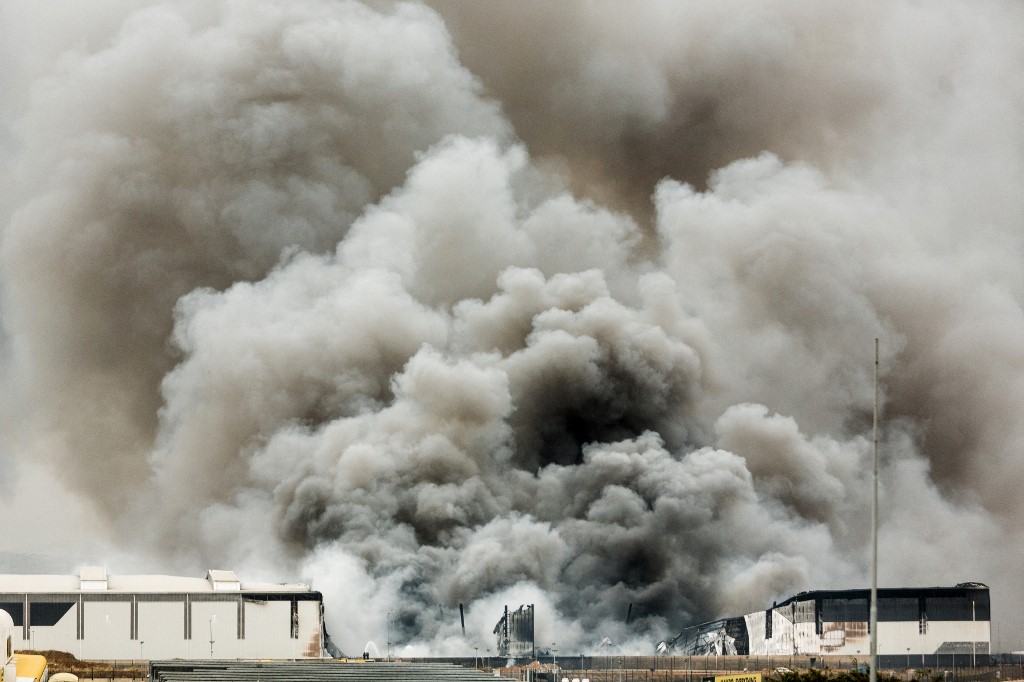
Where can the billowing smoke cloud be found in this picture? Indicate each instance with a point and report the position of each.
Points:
(187, 149)
(565, 304)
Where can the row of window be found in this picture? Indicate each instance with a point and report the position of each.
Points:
(905, 608)
(890, 609)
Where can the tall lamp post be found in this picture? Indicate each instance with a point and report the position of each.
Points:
(212, 619)
(554, 656)
(974, 643)
(873, 610)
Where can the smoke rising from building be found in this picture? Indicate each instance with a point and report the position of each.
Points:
(568, 305)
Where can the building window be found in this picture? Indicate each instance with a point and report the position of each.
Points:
(898, 609)
(844, 610)
(951, 608)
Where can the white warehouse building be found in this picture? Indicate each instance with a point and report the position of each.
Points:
(99, 617)
(926, 626)
(935, 625)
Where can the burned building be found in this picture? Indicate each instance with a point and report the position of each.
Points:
(923, 626)
(515, 633)
(724, 637)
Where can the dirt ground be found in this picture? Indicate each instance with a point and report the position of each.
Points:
(94, 671)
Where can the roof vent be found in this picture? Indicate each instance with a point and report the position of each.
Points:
(92, 578)
(223, 581)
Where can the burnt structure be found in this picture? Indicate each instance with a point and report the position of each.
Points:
(723, 637)
(515, 633)
(925, 626)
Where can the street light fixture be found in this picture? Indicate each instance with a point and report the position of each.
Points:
(554, 656)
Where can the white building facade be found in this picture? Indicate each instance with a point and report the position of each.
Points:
(917, 626)
(926, 626)
(99, 617)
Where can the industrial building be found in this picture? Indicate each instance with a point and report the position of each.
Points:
(930, 626)
(100, 617)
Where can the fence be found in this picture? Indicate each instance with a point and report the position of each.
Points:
(695, 668)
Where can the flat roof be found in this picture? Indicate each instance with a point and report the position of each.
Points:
(960, 589)
(21, 583)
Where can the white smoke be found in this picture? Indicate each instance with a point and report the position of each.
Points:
(555, 304)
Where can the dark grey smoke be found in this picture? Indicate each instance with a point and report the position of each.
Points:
(568, 304)
(626, 95)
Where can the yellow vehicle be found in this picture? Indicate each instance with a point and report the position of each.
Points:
(29, 667)
(18, 667)
(745, 677)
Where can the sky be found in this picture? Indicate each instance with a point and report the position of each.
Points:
(572, 304)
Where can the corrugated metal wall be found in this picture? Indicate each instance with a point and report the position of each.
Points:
(851, 637)
(150, 626)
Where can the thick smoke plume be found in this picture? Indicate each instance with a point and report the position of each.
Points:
(570, 304)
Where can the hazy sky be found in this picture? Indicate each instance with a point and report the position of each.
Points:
(562, 303)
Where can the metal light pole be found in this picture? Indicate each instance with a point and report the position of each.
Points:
(554, 656)
(212, 618)
(387, 648)
(873, 670)
(974, 638)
